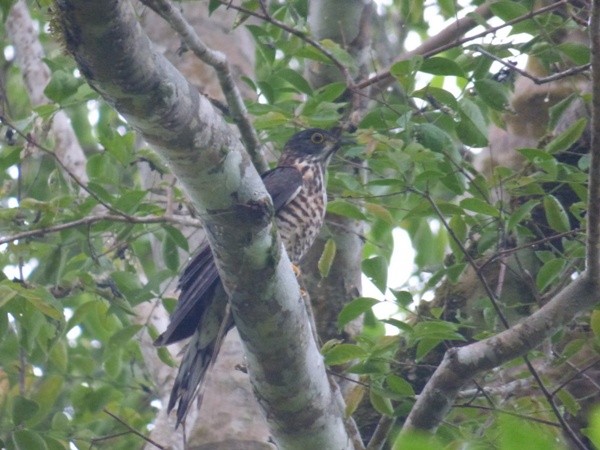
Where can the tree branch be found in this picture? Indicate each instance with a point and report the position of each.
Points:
(450, 37)
(217, 61)
(89, 220)
(285, 366)
(460, 365)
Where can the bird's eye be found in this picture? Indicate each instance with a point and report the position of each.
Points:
(317, 138)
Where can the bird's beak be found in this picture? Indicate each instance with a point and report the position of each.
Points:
(346, 140)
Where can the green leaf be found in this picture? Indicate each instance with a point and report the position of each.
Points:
(479, 206)
(344, 353)
(43, 301)
(380, 212)
(434, 138)
(375, 269)
(47, 395)
(549, 272)
(576, 52)
(593, 430)
(61, 86)
(424, 346)
(339, 53)
(381, 404)
(557, 110)
(535, 154)
(437, 65)
(170, 252)
(507, 10)
(521, 213)
(122, 337)
(440, 95)
(472, 128)
(346, 209)
(354, 309)
(54, 444)
(327, 258)
(28, 440)
(556, 216)
(569, 402)
(516, 433)
(568, 137)
(595, 322)
(128, 284)
(129, 201)
(23, 409)
(437, 329)
(295, 79)
(330, 92)
(399, 385)
(494, 94)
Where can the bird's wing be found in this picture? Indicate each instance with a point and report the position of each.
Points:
(283, 184)
(200, 277)
(197, 284)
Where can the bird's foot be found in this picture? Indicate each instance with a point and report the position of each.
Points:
(297, 270)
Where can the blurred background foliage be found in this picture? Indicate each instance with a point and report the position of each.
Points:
(70, 362)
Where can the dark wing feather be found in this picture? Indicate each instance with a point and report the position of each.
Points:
(283, 184)
(200, 277)
(202, 308)
(197, 284)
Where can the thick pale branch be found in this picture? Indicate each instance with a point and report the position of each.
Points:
(285, 366)
(461, 365)
(217, 61)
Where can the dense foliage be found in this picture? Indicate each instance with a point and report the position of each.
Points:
(492, 241)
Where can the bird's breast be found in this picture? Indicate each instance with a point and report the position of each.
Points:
(301, 219)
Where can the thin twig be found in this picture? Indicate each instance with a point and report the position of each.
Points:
(454, 29)
(219, 62)
(133, 430)
(88, 220)
(537, 80)
(510, 413)
(490, 293)
(567, 429)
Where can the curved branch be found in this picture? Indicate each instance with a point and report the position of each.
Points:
(460, 365)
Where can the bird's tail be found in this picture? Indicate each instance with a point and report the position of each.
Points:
(200, 354)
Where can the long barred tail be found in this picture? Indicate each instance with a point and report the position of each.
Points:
(202, 313)
(200, 355)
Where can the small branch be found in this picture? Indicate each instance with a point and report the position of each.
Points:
(461, 365)
(567, 429)
(511, 413)
(217, 61)
(593, 207)
(381, 433)
(89, 220)
(449, 38)
(488, 290)
(537, 80)
(134, 431)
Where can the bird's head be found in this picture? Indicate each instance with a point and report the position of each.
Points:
(311, 145)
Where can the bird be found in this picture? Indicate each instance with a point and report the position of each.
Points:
(297, 188)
